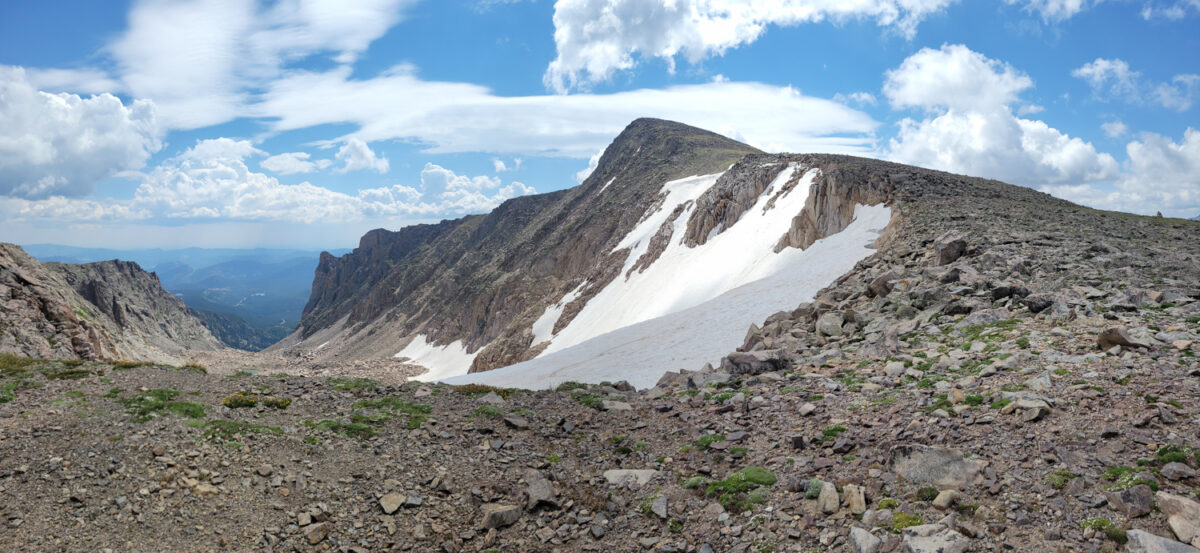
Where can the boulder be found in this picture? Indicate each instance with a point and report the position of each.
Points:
(1117, 336)
(934, 538)
(864, 541)
(1183, 516)
(827, 501)
(625, 476)
(949, 247)
(830, 324)
(939, 466)
(1134, 502)
(882, 285)
(855, 498)
(1144, 542)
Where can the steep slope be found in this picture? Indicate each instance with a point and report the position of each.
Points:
(480, 282)
(103, 310)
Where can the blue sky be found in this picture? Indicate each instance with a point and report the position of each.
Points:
(304, 123)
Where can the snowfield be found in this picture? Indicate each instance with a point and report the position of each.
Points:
(442, 361)
(691, 306)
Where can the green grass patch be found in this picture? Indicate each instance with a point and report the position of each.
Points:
(126, 365)
(571, 386)
(1060, 478)
(390, 407)
(831, 432)
(1106, 527)
(356, 430)
(194, 368)
(1000, 403)
(588, 400)
(489, 411)
(903, 520)
(160, 402)
(351, 384)
(707, 441)
(731, 492)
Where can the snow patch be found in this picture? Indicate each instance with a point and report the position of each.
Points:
(543, 328)
(702, 333)
(610, 181)
(684, 277)
(439, 361)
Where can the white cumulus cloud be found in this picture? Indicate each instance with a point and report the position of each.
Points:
(211, 181)
(62, 144)
(1114, 128)
(1113, 78)
(971, 128)
(356, 155)
(294, 162)
(1054, 10)
(953, 77)
(595, 38)
(1160, 175)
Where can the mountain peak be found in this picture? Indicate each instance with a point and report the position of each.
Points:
(669, 149)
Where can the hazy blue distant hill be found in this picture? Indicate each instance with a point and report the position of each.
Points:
(251, 298)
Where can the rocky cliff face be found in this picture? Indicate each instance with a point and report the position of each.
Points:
(484, 279)
(105, 310)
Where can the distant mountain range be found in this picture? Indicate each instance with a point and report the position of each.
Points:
(250, 299)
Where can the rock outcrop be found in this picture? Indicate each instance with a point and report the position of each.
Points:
(105, 310)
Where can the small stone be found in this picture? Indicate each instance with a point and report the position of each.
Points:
(413, 501)
(1035, 414)
(828, 500)
(609, 405)
(265, 470)
(516, 422)
(864, 541)
(498, 515)
(304, 519)
(597, 531)
(491, 398)
(659, 507)
(807, 409)
(317, 533)
(946, 499)
(391, 502)
(855, 498)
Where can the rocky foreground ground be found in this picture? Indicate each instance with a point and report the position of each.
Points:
(1001, 430)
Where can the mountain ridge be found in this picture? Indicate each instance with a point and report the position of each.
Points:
(488, 267)
(95, 311)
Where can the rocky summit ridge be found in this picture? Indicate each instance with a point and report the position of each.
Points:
(483, 280)
(1006, 372)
